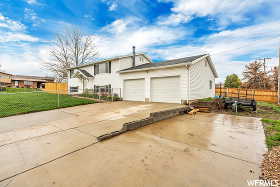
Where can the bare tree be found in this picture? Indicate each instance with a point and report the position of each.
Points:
(274, 78)
(255, 77)
(71, 49)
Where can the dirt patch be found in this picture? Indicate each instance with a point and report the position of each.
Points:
(262, 112)
(215, 105)
(271, 165)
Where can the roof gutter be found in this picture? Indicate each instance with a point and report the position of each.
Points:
(152, 68)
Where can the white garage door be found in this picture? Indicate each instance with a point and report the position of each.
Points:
(134, 90)
(165, 89)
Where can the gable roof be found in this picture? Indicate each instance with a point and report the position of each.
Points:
(172, 63)
(111, 59)
(2, 72)
(85, 73)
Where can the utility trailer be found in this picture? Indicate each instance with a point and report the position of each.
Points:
(244, 98)
(235, 103)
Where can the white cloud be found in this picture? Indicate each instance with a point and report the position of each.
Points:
(13, 31)
(224, 11)
(9, 24)
(32, 2)
(122, 34)
(16, 37)
(26, 61)
(30, 14)
(226, 46)
(113, 6)
(173, 19)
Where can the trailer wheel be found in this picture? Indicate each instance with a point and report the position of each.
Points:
(254, 106)
(226, 106)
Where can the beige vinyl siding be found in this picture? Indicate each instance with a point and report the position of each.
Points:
(200, 76)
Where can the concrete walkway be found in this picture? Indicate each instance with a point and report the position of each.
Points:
(210, 150)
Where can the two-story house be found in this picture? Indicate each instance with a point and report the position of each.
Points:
(137, 78)
(103, 74)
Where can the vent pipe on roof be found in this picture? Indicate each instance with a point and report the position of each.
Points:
(133, 57)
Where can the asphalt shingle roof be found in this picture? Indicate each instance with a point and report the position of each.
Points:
(165, 63)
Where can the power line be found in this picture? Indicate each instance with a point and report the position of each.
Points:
(247, 45)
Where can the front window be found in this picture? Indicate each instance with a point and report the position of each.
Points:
(74, 89)
(28, 83)
(102, 89)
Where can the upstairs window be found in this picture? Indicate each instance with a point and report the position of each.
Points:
(102, 68)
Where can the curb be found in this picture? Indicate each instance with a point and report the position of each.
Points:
(154, 117)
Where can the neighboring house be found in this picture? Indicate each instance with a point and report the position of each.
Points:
(173, 81)
(23, 81)
(5, 79)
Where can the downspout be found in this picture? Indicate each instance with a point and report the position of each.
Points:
(83, 85)
(189, 82)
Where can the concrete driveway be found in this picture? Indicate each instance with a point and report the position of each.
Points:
(210, 150)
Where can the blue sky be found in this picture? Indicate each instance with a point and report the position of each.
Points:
(233, 32)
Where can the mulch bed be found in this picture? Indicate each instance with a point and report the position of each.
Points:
(271, 164)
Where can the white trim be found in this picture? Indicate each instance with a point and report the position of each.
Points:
(159, 67)
(189, 86)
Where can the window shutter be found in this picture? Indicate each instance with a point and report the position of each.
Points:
(110, 67)
(96, 69)
(106, 67)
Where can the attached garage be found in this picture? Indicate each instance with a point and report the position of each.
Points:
(134, 90)
(165, 89)
(173, 81)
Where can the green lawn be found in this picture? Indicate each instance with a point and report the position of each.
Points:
(15, 90)
(270, 105)
(272, 129)
(208, 99)
(19, 103)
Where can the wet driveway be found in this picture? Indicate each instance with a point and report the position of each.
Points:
(210, 150)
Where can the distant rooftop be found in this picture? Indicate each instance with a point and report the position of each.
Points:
(25, 77)
(3, 72)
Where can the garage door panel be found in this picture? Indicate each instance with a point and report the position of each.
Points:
(166, 89)
(134, 90)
